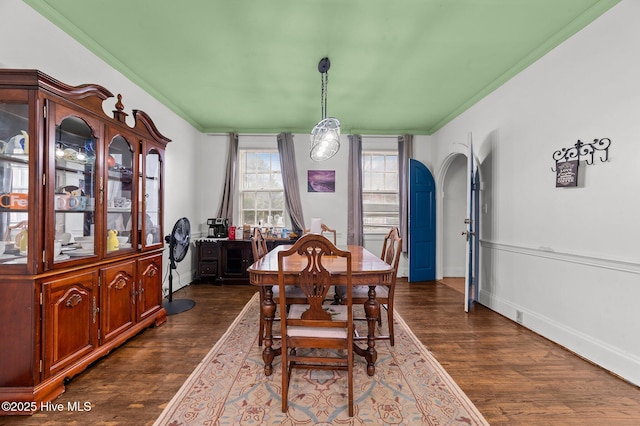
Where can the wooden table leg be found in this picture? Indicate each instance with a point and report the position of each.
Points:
(268, 309)
(372, 312)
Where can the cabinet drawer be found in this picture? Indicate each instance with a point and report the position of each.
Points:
(208, 251)
(208, 268)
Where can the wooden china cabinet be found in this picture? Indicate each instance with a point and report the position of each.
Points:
(81, 198)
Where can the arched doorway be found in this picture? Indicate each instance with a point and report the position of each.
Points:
(454, 205)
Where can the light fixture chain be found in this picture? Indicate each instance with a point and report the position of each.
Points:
(323, 96)
(325, 136)
(326, 90)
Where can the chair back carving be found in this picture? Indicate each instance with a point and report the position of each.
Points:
(391, 248)
(313, 278)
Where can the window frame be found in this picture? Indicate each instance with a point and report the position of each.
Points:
(242, 189)
(381, 228)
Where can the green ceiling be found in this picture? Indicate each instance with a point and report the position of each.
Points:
(397, 66)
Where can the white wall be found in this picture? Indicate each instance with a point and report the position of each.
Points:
(568, 259)
(30, 41)
(211, 166)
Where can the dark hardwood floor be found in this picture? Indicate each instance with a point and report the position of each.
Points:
(512, 375)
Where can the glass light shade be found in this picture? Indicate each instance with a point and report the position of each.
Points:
(325, 139)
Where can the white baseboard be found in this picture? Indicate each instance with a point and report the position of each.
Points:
(613, 359)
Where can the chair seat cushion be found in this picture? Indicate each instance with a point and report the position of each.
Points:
(322, 332)
(338, 312)
(362, 291)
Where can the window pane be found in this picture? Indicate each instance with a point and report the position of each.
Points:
(262, 181)
(377, 163)
(249, 217)
(372, 198)
(275, 162)
(262, 200)
(249, 181)
(261, 216)
(377, 181)
(276, 181)
(263, 162)
(391, 181)
(392, 163)
(251, 160)
(366, 163)
(391, 199)
(366, 181)
(277, 201)
(249, 200)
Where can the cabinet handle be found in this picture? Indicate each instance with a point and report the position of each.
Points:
(95, 309)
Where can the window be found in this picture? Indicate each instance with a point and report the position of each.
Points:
(380, 202)
(261, 190)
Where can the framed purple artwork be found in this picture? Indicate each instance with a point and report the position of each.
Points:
(321, 181)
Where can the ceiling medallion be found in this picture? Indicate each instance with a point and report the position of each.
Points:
(325, 136)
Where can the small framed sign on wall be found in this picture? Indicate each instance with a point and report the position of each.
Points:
(567, 173)
(321, 181)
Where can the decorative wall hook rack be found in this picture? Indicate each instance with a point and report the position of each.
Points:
(581, 149)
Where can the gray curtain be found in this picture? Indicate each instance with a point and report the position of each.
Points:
(226, 205)
(355, 233)
(290, 180)
(405, 152)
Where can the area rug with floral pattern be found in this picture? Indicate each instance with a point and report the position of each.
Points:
(229, 386)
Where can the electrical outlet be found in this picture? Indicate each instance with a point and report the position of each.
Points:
(519, 317)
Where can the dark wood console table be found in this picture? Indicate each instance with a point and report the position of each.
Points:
(224, 260)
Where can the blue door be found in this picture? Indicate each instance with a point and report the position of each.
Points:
(422, 223)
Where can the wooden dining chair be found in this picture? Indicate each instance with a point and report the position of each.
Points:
(259, 249)
(391, 250)
(258, 244)
(309, 330)
(325, 229)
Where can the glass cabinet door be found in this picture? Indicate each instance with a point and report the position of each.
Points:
(120, 194)
(150, 226)
(14, 183)
(74, 196)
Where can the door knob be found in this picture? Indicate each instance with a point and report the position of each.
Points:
(468, 234)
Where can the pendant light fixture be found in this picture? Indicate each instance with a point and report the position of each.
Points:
(325, 136)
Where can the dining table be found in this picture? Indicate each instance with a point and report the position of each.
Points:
(367, 269)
